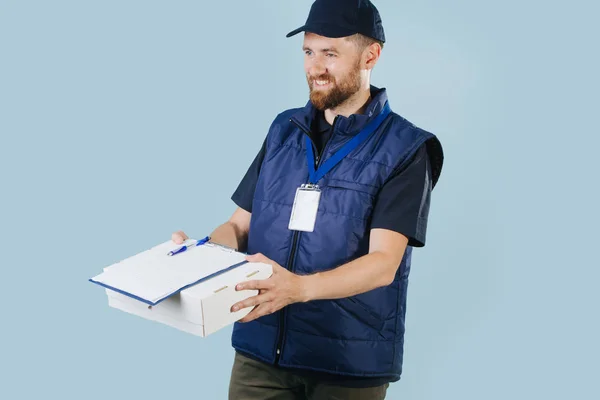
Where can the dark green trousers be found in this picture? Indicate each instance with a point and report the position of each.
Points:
(254, 380)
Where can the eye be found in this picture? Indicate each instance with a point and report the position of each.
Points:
(330, 55)
(307, 52)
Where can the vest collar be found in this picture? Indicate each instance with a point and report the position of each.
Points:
(348, 126)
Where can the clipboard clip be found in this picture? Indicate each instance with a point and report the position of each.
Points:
(222, 247)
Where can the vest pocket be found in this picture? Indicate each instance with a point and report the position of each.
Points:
(348, 198)
(355, 186)
(360, 312)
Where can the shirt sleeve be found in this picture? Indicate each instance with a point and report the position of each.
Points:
(402, 204)
(244, 193)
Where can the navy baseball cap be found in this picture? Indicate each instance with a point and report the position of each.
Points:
(341, 18)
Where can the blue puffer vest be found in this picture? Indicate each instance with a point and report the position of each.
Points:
(361, 335)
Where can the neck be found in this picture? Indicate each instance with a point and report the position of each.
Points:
(356, 104)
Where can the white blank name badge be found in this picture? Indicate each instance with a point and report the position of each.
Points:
(304, 211)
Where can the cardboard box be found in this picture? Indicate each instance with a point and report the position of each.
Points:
(201, 309)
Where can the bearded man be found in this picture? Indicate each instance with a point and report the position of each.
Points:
(335, 200)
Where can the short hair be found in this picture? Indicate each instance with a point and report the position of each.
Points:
(363, 41)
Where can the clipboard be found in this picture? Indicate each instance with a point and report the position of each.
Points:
(152, 276)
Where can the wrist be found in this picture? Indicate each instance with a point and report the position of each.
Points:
(307, 287)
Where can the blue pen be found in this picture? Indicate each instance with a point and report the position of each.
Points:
(184, 248)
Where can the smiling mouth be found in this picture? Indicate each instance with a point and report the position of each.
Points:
(320, 83)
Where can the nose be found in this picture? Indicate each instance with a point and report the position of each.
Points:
(315, 67)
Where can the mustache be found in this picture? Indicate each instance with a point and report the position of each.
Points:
(321, 78)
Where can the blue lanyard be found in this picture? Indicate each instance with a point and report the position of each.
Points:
(315, 176)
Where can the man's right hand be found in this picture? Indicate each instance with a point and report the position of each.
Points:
(179, 237)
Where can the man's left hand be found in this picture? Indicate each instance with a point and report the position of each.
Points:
(276, 292)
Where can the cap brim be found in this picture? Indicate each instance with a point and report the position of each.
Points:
(295, 31)
(323, 30)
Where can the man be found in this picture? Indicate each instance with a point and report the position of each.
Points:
(335, 200)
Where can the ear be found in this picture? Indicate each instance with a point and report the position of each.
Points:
(371, 55)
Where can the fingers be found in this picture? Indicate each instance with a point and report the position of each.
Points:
(252, 301)
(259, 257)
(179, 237)
(250, 316)
(259, 311)
(256, 285)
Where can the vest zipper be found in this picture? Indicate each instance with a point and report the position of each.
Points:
(283, 312)
(318, 158)
(290, 262)
(317, 154)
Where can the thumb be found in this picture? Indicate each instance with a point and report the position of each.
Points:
(258, 257)
(179, 237)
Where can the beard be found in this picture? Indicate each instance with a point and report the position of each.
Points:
(339, 91)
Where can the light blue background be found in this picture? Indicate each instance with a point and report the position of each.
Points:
(103, 103)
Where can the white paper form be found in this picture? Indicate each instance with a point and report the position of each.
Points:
(152, 275)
